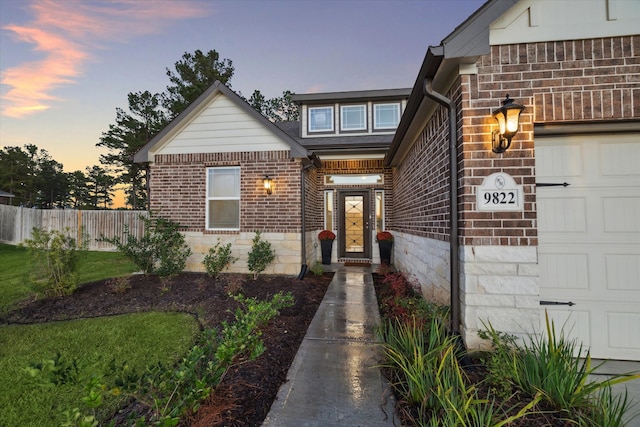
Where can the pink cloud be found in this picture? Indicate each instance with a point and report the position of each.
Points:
(65, 31)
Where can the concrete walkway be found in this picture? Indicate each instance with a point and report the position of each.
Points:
(332, 381)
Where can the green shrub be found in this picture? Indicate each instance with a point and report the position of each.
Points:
(261, 255)
(549, 366)
(166, 392)
(161, 250)
(427, 374)
(218, 258)
(56, 257)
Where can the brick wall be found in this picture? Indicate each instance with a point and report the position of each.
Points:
(178, 189)
(565, 81)
(421, 183)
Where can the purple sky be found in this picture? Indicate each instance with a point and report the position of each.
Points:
(66, 65)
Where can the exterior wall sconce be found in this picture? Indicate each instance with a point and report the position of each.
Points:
(268, 184)
(508, 117)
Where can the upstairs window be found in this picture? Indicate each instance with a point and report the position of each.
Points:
(353, 117)
(386, 116)
(223, 198)
(321, 119)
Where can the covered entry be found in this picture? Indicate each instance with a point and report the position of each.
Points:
(588, 205)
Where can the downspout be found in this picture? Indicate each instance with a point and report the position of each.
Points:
(453, 196)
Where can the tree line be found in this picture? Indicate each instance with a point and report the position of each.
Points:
(37, 180)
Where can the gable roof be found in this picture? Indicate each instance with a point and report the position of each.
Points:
(145, 154)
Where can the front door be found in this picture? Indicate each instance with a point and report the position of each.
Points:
(354, 228)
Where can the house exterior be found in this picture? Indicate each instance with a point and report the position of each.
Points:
(572, 250)
(207, 172)
(499, 236)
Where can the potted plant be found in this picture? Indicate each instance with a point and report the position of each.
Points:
(326, 243)
(385, 244)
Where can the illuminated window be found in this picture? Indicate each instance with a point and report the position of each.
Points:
(379, 211)
(328, 210)
(354, 179)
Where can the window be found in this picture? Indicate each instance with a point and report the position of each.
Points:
(223, 198)
(354, 179)
(379, 211)
(386, 116)
(321, 119)
(328, 210)
(353, 117)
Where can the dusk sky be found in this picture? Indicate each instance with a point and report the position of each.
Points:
(66, 65)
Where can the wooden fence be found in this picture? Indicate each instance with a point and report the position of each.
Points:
(16, 224)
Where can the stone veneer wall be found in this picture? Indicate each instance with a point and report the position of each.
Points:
(178, 192)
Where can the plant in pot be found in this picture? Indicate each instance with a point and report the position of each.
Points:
(385, 244)
(326, 242)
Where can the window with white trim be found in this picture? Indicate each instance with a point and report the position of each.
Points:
(223, 198)
(328, 210)
(379, 211)
(320, 119)
(353, 117)
(386, 116)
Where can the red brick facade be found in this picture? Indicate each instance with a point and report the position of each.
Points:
(571, 81)
(178, 189)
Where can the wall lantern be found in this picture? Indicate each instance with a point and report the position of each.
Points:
(508, 117)
(268, 184)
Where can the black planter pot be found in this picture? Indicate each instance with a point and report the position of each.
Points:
(326, 246)
(385, 247)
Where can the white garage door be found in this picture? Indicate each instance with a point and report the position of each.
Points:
(589, 239)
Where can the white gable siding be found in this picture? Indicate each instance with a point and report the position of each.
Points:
(222, 127)
(537, 21)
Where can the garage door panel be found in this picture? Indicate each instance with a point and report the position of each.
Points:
(589, 238)
(621, 214)
(624, 329)
(623, 272)
(620, 159)
(559, 161)
(572, 219)
(573, 325)
(564, 270)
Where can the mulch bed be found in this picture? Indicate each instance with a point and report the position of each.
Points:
(476, 374)
(247, 391)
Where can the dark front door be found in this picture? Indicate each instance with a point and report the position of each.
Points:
(354, 228)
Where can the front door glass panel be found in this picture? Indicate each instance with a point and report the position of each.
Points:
(354, 224)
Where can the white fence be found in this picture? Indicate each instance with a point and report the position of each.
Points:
(16, 224)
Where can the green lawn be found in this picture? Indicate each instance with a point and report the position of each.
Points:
(14, 274)
(138, 339)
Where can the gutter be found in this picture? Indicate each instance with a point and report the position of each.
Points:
(454, 262)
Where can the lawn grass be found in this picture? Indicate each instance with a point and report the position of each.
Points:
(138, 339)
(15, 282)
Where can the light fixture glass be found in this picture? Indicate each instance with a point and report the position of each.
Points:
(508, 118)
(268, 184)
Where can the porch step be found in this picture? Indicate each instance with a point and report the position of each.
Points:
(355, 262)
